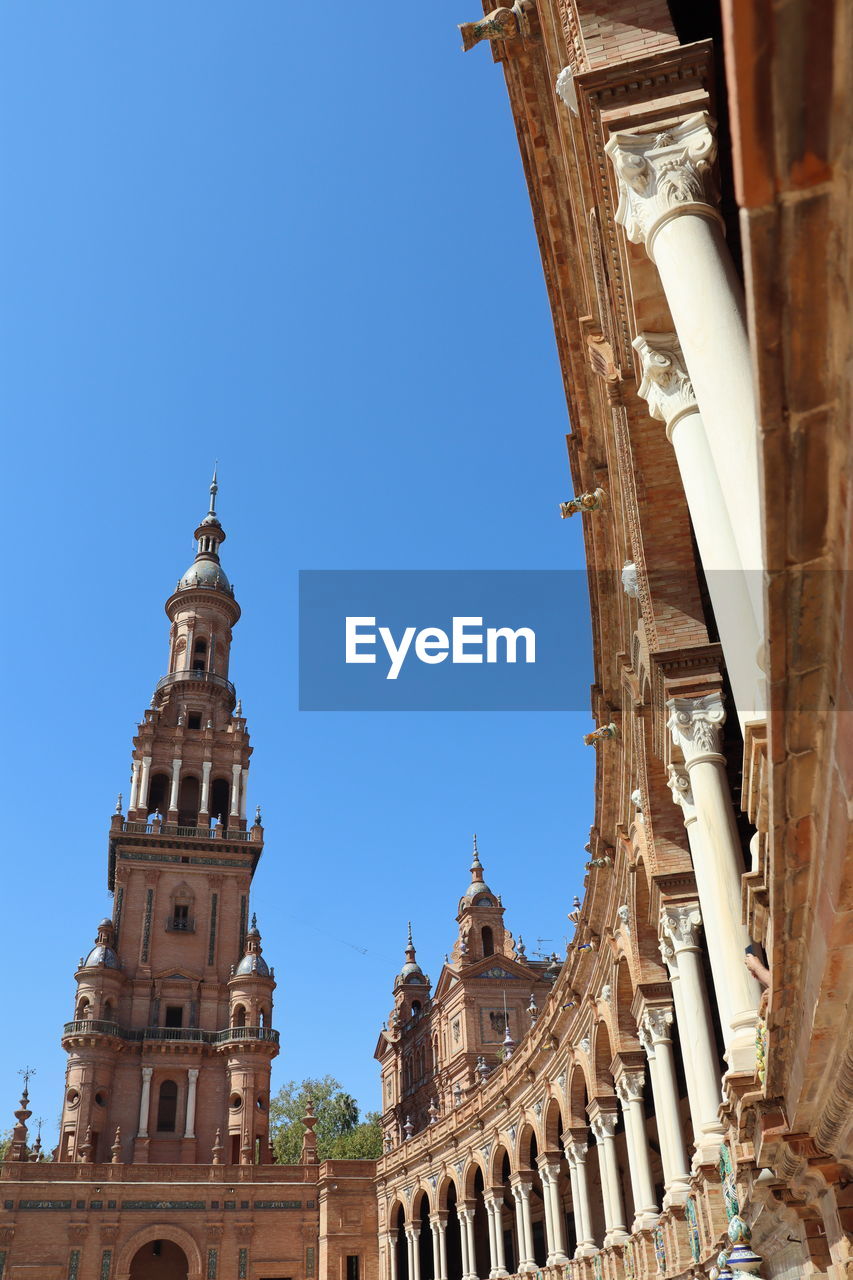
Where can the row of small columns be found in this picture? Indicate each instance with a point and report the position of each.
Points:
(145, 1102)
(141, 771)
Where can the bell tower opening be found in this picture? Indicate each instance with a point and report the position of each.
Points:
(158, 794)
(488, 940)
(188, 801)
(200, 654)
(220, 803)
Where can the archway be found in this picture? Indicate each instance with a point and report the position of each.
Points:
(137, 1260)
(401, 1244)
(159, 1260)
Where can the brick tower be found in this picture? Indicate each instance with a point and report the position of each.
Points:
(170, 1048)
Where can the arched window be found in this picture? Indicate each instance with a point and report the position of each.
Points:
(220, 800)
(84, 1008)
(200, 654)
(108, 1011)
(238, 1017)
(488, 940)
(188, 802)
(264, 1017)
(167, 1107)
(158, 794)
(416, 1008)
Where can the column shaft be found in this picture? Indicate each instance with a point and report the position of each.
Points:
(145, 1101)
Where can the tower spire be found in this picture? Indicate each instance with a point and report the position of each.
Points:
(476, 864)
(214, 489)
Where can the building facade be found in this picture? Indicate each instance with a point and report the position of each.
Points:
(163, 1169)
(682, 1104)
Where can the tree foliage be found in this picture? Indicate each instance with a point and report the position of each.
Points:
(341, 1133)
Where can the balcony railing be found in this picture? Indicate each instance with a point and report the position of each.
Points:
(246, 1033)
(180, 924)
(192, 1035)
(203, 677)
(194, 833)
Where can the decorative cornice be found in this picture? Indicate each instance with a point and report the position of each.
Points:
(665, 383)
(664, 175)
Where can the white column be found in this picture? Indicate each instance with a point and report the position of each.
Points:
(244, 778)
(134, 786)
(415, 1255)
(494, 1208)
(696, 727)
(463, 1242)
(670, 960)
(576, 1156)
(680, 925)
(176, 782)
(654, 1033)
(235, 790)
(442, 1244)
(666, 204)
(466, 1221)
(204, 803)
(190, 640)
(629, 1089)
(145, 1101)
(436, 1228)
(524, 1231)
(604, 1128)
(555, 1223)
(143, 782)
(392, 1254)
(735, 595)
(192, 1081)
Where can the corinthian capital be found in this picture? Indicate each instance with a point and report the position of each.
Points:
(665, 385)
(664, 175)
(604, 1125)
(656, 1024)
(630, 1086)
(682, 792)
(696, 725)
(681, 924)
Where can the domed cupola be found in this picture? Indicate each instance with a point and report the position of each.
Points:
(103, 953)
(206, 572)
(411, 973)
(253, 961)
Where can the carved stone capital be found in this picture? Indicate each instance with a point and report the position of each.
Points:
(657, 1022)
(681, 923)
(575, 1151)
(682, 792)
(664, 175)
(665, 384)
(696, 725)
(630, 1086)
(604, 1125)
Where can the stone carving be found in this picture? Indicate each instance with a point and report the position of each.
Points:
(696, 725)
(679, 784)
(583, 502)
(665, 384)
(606, 992)
(664, 175)
(500, 24)
(566, 92)
(657, 1023)
(604, 1125)
(681, 924)
(630, 1086)
(630, 580)
(575, 1151)
(624, 915)
(584, 1045)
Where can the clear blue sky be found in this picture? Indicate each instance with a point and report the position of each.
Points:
(299, 240)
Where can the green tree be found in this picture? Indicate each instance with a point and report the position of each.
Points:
(341, 1134)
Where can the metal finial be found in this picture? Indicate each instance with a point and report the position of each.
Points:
(119, 802)
(27, 1073)
(258, 816)
(476, 851)
(254, 920)
(214, 489)
(411, 943)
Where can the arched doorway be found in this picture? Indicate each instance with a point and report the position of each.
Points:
(159, 1260)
